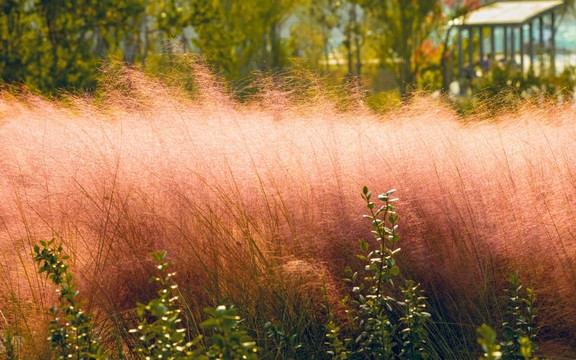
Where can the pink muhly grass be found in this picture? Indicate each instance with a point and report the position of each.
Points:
(245, 196)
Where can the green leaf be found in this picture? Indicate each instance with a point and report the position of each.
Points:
(363, 245)
(210, 324)
(348, 271)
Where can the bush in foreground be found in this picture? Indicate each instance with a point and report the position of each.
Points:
(257, 202)
(381, 326)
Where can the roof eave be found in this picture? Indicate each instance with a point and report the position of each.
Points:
(517, 23)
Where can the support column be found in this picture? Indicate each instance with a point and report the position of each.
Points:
(460, 55)
(521, 48)
(493, 41)
(512, 47)
(541, 40)
(471, 46)
(481, 44)
(553, 44)
(531, 43)
(505, 39)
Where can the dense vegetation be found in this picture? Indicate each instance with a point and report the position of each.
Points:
(242, 178)
(258, 205)
(379, 326)
(55, 44)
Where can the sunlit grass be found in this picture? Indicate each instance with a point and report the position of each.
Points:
(259, 203)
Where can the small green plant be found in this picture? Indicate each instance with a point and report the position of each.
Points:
(163, 336)
(8, 348)
(487, 339)
(230, 341)
(71, 331)
(520, 319)
(376, 337)
(160, 331)
(10, 344)
(386, 327)
(519, 329)
(284, 342)
(336, 348)
(413, 333)
(526, 349)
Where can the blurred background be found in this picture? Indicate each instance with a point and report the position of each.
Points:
(388, 45)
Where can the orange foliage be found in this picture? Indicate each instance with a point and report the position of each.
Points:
(469, 4)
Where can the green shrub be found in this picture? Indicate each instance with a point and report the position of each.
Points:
(384, 326)
(71, 331)
(519, 329)
(384, 101)
(384, 320)
(9, 345)
(160, 333)
(520, 318)
(230, 341)
(487, 339)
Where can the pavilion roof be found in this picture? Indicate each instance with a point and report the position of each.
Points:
(508, 13)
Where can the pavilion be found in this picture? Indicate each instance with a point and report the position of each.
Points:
(510, 18)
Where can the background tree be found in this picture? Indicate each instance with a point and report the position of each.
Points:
(354, 36)
(400, 29)
(311, 34)
(239, 36)
(119, 31)
(68, 27)
(51, 44)
(15, 32)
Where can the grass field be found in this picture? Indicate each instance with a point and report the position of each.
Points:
(259, 202)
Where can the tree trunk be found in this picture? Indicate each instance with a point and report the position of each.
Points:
(357, 44)
(445, 63)
(274, 46)
(348, 42)
(405, 57)
(100, 44)
(144, 35)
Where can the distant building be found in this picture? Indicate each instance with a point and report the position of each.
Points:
(517, 32)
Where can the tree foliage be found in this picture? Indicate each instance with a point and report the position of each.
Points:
(240, 36)
(53, 44)
(400, 29)
(310, 36)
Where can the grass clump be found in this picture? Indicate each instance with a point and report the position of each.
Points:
(518, 327)
(389, 322)
(386, 327)
(387, 315)
(160, 333)
(71, 331)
